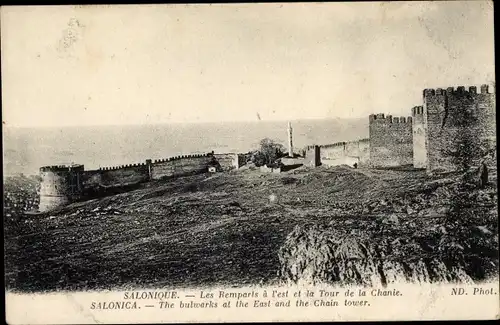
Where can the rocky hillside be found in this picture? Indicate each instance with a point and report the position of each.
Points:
(438, 231)
(245, 227)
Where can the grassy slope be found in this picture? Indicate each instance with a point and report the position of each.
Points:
(201, 230)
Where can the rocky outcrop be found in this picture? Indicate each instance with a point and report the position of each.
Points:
(422, 238)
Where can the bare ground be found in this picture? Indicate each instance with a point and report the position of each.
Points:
(205, 230)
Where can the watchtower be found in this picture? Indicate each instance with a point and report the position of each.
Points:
(60, 185)
(453, 116)
(419, 140)
(391, 141)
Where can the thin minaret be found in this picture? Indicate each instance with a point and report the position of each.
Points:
(290, 143)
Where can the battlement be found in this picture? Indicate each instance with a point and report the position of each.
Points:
(472, 90)
(417, 110)
(451, 114)
(62, 168)
(390, 140)
(389, 119)
(59, 185)
(326, 146)
(337, 144)
(65, 183)
(123, 166)
(156, 161)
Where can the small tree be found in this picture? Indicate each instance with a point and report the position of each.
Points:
(268, 153)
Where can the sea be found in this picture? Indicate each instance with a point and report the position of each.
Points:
(27, 149)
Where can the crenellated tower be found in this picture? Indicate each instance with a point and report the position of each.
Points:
(60, 185)
(419, 140)
(390, 140)
(454, 117)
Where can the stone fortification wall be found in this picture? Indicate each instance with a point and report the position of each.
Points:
(359, 149)
(453, 117)
(333, 151)
(229, 161)
(419, 140)
(124, 174)
(286, 161)
(346, 153)
(181, 166)
(312, 156)
(91, 178)
(161, 168)
(60, 185)
(391, 142)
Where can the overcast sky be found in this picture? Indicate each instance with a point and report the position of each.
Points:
(201, 63)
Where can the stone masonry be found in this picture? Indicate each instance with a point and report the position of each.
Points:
(453, 117)
(419, 141)
(391, 142)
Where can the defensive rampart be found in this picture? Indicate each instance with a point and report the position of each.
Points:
(67, 183)
(60, 185)
(181, 166)
(345, 153)
(124, 175)
(391, 142)
(419, 140)
(451, 123)
(459, 124)
(228, 161)
(312, 156)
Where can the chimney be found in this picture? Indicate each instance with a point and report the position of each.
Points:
(290, 143)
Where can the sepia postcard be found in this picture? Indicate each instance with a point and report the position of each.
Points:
(249, 162)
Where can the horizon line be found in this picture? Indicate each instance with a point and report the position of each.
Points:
(181, 123)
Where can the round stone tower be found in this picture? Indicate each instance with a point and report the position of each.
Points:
(60, 185)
